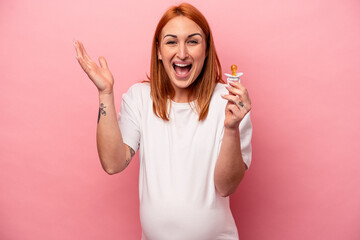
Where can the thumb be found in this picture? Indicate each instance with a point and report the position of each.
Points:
(103, 62)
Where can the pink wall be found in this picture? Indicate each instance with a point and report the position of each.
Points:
(301, 62)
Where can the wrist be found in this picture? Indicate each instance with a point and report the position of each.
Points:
(106, 96)
(106, 92)
(233, 131)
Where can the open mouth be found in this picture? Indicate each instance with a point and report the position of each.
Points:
(182, 69)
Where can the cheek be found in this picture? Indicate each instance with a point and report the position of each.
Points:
(200, 54)
(200, 60)
(167, 53)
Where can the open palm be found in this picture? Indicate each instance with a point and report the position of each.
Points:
(101, 76)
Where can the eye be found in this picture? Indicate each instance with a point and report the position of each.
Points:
(170, 42)
(193, 42)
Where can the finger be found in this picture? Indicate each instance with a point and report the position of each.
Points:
(234, 99)
(78, 52)
(103, 62)
(234, 109)
(235, 113)
(84, 65)
(242, 92)
(231, 98)
(83, 51)
(238, 85)
(244, 99)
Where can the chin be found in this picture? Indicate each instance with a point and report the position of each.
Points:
(182, 83)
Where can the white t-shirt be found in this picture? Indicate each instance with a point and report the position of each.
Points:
(178, 199)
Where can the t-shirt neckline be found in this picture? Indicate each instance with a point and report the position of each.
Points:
(182, 104)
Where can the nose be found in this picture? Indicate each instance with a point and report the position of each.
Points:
(182, 51)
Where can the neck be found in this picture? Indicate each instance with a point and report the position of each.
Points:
(181, 96)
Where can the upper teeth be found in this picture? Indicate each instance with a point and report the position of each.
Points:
(181, 65)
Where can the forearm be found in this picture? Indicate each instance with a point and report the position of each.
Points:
(230, 167)
(111, 150)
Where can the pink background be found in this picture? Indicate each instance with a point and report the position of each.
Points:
(301, 61)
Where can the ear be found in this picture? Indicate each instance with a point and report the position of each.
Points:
(159, 54)
(158, 50)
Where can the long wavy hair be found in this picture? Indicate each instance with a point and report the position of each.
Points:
(202, 88)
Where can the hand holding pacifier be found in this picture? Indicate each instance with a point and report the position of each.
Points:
(239, 103)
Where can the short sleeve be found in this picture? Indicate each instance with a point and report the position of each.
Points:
(245, 139)
(129, 118)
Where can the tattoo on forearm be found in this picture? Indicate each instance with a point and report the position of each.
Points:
(127, 162)
(132, 153)
(101, 111)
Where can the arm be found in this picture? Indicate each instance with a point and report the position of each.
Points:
(230, 167)
(113, 153)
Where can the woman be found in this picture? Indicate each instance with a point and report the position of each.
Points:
(194, 145)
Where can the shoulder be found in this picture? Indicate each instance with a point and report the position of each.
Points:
(139, 88)
(217, 103)
(220, 89)
(137, 95)
(138, 91)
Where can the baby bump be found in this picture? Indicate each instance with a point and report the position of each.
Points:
(169, 221)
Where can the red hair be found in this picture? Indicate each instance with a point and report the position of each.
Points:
(202, 88)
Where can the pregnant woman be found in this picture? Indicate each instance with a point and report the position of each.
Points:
(193, 132)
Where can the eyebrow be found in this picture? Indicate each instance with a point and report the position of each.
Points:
(174, 36)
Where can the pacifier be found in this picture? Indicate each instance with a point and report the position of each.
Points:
(234, 76)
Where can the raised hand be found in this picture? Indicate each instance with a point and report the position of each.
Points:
(101, 76)
(239, 104)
